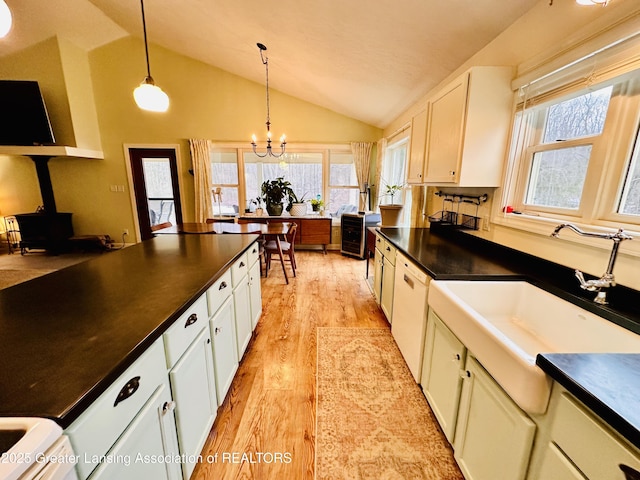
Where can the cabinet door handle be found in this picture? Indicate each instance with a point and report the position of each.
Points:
(253, 251)
(168, 407)
(242, 264)
(129, 389)
(217, 330)
(193, 318)
(222, 286)
(456, 357)
(408, 281)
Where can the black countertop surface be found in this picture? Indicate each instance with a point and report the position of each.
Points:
(609, 384)
(67, 335)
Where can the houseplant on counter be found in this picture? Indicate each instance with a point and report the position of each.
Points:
(390, 212)
(317, 204)
(274, 193)
(297, 207)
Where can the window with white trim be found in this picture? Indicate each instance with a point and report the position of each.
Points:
(574, 154)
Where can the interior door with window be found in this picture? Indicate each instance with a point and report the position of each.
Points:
(156, 188)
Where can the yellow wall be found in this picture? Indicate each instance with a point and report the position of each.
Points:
(206, 102)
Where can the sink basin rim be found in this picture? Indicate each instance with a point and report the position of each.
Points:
(40, 434)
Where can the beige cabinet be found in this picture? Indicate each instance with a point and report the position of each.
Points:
(417, 145)
(494, 437)
(581, 446)
(443, 361)
(388, 280)
(468, 129)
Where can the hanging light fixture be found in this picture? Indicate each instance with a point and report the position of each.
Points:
(593, 2)
(283, 142)
(148, 95)
(5, 19)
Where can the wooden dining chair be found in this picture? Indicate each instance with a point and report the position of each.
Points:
(288, 249)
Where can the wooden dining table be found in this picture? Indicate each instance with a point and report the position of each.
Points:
(268, 231)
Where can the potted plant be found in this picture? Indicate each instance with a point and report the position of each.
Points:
(316, 204)
(258, 203)
(297, 206)
(390, 212)
(274, 193)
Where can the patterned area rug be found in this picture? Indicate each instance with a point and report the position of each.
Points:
(373, 421)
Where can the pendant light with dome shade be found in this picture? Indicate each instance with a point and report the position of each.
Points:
(148, 95)
(5, 19)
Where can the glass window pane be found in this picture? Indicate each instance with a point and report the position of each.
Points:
(342, 200)
(630, 199)
(394, 163)
(224, 168)
(342, 170)
(303, 170)
(578, 117)
(557, 177)
(227, 202)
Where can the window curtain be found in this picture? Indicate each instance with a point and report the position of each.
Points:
(382, 149)
(362, 161)
(201, 160)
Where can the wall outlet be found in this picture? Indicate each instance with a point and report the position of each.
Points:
(485, 223)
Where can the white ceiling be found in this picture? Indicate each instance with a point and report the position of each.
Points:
(367, 59)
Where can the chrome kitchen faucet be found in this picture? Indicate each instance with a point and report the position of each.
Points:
(607, 279)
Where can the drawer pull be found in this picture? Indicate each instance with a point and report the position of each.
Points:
(253, 251)
(193, 318)
(129, 389)
(168, 407)
(242, 264)
(408, 281)
(222, 286)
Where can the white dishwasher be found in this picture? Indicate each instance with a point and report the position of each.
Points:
(410, 312)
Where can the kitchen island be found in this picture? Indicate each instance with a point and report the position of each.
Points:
(69, 334)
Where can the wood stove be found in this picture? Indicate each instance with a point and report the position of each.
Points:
(50, 231)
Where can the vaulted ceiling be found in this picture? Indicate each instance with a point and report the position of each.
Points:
(367, 59)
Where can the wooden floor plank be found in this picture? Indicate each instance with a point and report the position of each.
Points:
(270, 408)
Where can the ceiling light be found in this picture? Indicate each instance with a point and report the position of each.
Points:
(283, 141)
(5, 19)
(148, 95)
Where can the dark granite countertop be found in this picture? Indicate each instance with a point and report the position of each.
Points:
(445, 260)
(609, 384)
(68, 335)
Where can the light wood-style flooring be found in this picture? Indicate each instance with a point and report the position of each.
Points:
(269, 412)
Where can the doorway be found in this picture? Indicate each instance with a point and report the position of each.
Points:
(156, 188)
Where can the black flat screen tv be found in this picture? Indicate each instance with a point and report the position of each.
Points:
(23, 114)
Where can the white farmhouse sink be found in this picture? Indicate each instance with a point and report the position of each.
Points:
(506, 324)
(33, 436)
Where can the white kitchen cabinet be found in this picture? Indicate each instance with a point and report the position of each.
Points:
(468, 129)
(493, 437)
(194, 393)
(116, 410)
(377, 273)
(581, 446)
(151, 435)
(388, 280)
(242, 309)
(443, 362)
(225, 355)
(255, 290)
(415, 169)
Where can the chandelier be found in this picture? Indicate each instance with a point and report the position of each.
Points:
(283, 142)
